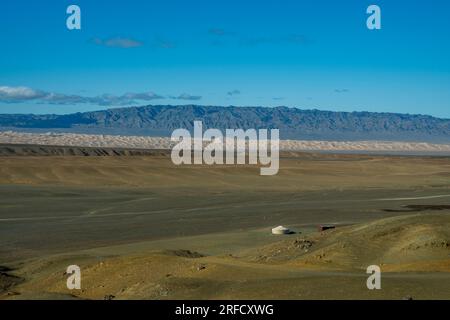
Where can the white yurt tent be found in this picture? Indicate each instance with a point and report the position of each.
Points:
(280, 230)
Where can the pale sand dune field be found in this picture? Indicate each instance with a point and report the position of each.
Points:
(141, 142)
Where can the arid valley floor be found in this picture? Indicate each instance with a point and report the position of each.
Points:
(141, 228)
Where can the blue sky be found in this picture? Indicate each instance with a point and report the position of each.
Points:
(307, 54)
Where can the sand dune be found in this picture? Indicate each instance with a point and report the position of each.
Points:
(141, 142)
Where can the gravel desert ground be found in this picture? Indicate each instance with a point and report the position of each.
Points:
(140, 227)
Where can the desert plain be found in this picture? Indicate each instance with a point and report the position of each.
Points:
(140, 227)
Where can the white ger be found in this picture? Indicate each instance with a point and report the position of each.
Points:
(280, 230)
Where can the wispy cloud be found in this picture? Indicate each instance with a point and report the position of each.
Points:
(118, 42)
(233, 92)
(25, 94)
(249, 40)
(341, 90)
(220, 32)
(163, 43)
(186, 96)
(296, 39)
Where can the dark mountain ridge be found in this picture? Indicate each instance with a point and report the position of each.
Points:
(293, 123)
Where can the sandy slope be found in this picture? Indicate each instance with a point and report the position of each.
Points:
(318, 265)
(418, 242)
(297, 172)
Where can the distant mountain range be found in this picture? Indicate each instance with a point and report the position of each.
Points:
(293, 123)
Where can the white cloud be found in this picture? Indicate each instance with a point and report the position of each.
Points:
(26, 94)
(12, 94)
(22, 94)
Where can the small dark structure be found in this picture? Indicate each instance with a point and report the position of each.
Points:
(324, 227)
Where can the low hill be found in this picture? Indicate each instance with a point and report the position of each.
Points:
(419, 242)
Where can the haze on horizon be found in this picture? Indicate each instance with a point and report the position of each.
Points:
(279, 53)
